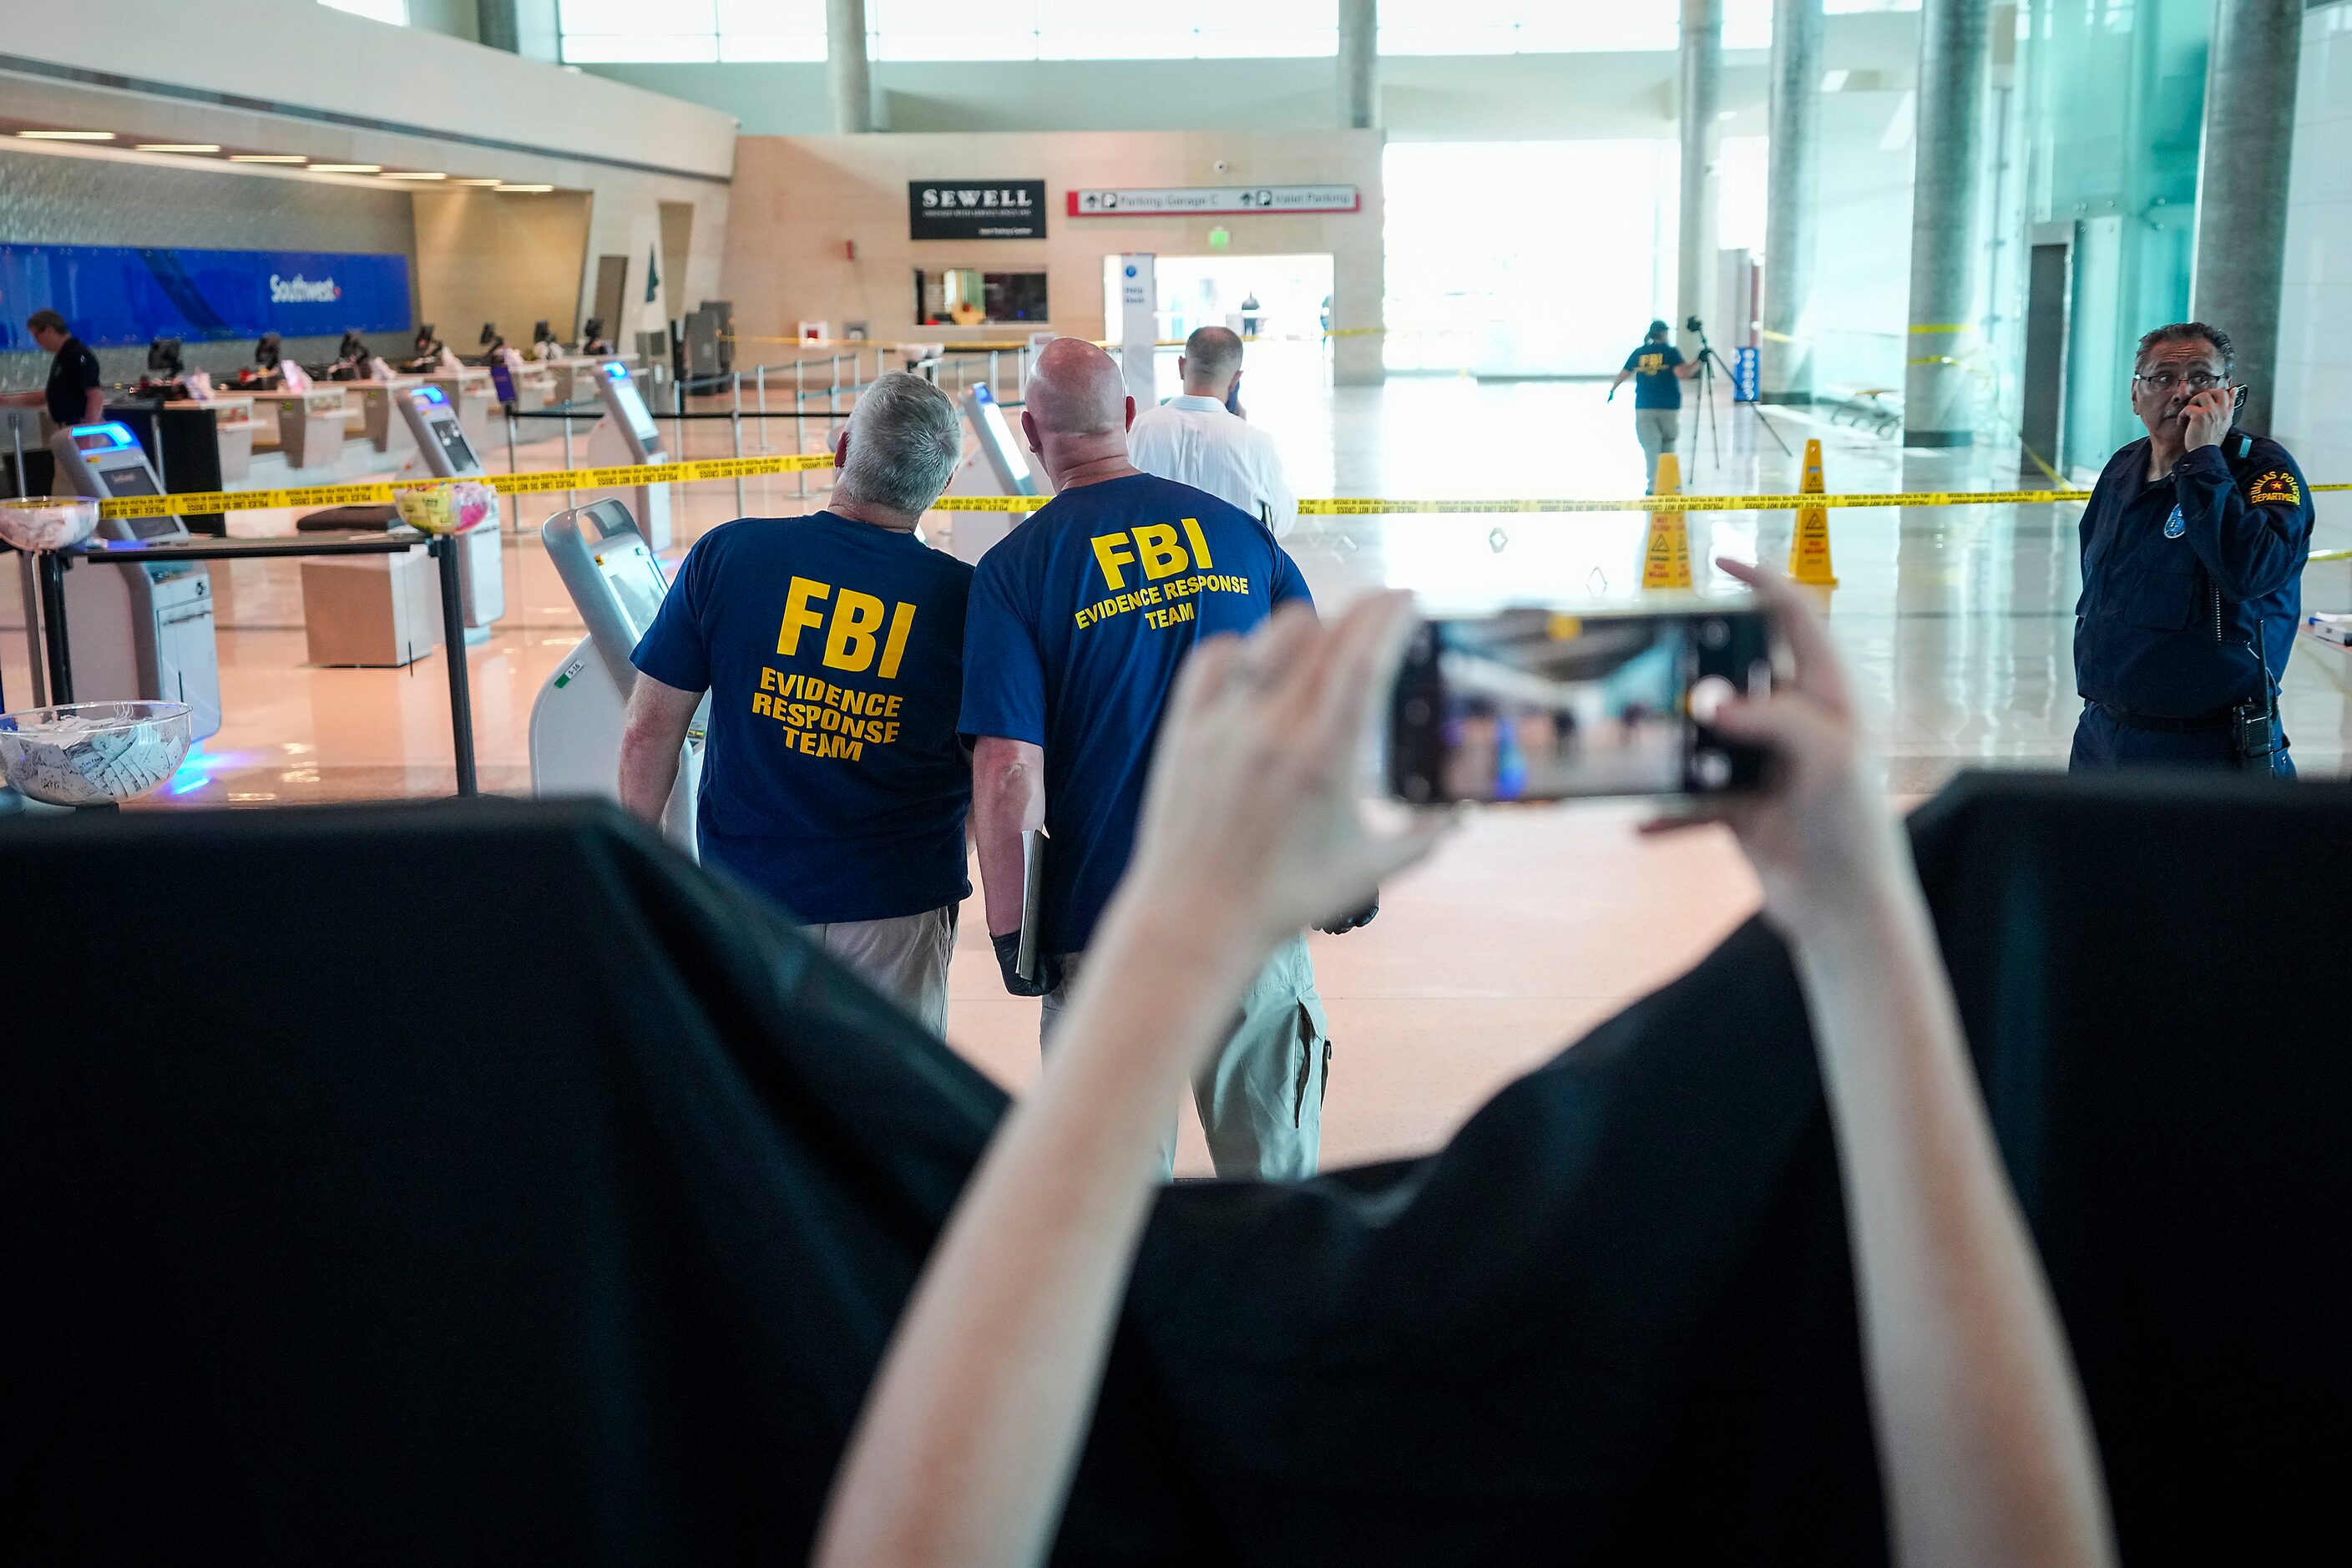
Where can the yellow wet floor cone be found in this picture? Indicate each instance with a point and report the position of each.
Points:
(1809, 547)
(1666, 559)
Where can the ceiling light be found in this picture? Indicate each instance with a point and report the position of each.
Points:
(481, 181)
(267, 158)
(179, 147)
(345, 168)
(525, 190)
(1834, 81)
(67, 135)
(413, 175)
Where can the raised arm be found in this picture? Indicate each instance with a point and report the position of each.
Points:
(1982, 1431)
(966, 1446)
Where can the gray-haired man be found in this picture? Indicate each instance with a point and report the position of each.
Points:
(832, 647)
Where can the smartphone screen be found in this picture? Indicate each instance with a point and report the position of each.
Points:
(1539, 703)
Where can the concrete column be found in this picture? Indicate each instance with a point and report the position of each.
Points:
(1360, 63)
(1947, 221)
(845, 66)
(2241, 185)
(1702, 92)
(1794, 198)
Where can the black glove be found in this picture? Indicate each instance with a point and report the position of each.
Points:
(1008, 955)
(1343, 924)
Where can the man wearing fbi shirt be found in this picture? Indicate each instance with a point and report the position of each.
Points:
(1078, 624)
(832, 647)
(2193, 549)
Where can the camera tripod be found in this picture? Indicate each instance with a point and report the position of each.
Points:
(1708, 360)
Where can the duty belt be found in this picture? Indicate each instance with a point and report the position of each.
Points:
(2162, 725)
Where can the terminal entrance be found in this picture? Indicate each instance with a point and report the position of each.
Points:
(1284, 302)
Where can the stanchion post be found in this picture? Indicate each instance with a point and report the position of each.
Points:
(571, 497)
(511, 466)
(764, 445)
(443, 549)
(53, 627)
(799, 418)
(735, 424)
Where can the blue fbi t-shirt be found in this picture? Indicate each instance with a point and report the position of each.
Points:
(1656, 385)
(832, 650)
(1078, 623)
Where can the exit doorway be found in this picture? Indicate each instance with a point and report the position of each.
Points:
(1283, 304)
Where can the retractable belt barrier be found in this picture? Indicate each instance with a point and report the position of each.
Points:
(380, 492)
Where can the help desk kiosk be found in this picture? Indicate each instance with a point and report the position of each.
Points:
(625, 438)
(998, 467)
(575, 722)
(139, 633)
(384, 610)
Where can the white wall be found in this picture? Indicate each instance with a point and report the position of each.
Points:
(298, 52)
(2313, 402)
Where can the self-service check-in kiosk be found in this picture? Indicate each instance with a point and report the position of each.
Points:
(575, 724)
(627, 436)
(135, 633)
(445, 451)
(997, 466)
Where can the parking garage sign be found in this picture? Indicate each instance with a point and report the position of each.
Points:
(1184, 200)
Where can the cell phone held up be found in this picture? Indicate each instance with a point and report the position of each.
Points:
(1539, 703)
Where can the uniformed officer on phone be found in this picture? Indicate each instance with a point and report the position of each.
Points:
(2193, 549)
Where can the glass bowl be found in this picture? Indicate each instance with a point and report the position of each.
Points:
(47, 522)
(94, 753)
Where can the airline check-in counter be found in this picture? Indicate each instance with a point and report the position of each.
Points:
(310, 425)
(574, 380)
(233, 428)
(378, 420)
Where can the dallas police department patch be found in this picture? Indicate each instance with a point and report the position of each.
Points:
(2277, 486)
(2176, 525)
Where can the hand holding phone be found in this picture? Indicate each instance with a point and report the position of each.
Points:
(1538, 703)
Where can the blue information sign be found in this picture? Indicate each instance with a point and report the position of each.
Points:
(115, 296)
(1746, 375)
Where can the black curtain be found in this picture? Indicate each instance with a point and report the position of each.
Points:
(485, 1184)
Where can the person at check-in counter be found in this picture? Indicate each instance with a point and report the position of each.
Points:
(2193, 547)
(832, 647)
(76, 394)
(1080, 621)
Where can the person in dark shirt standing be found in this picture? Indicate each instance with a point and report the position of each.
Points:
(77, 392)
(1080, 620)
(832, 647)
(1657, 370)
(2193, 549)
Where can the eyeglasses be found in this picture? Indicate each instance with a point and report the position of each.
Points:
(2196, 381)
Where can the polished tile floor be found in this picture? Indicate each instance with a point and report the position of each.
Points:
(1532, 923)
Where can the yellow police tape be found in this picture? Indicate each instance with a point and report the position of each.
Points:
(380, 492)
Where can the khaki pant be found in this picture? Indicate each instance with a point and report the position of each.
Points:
(1657, 429)
(904, 957)
(1260, 1096)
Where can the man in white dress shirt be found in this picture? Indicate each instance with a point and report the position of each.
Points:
(1200, 438)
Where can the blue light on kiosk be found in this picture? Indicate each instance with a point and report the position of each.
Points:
(110, 436)
(430, 395)
(615, 371)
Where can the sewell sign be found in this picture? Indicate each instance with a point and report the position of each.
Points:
(975, 209)
(1163, 201)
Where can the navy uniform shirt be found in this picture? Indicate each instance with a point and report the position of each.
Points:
(1656, 385)
(73, 373)
(2182, 577)
(1079, 622)
(832, 651)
